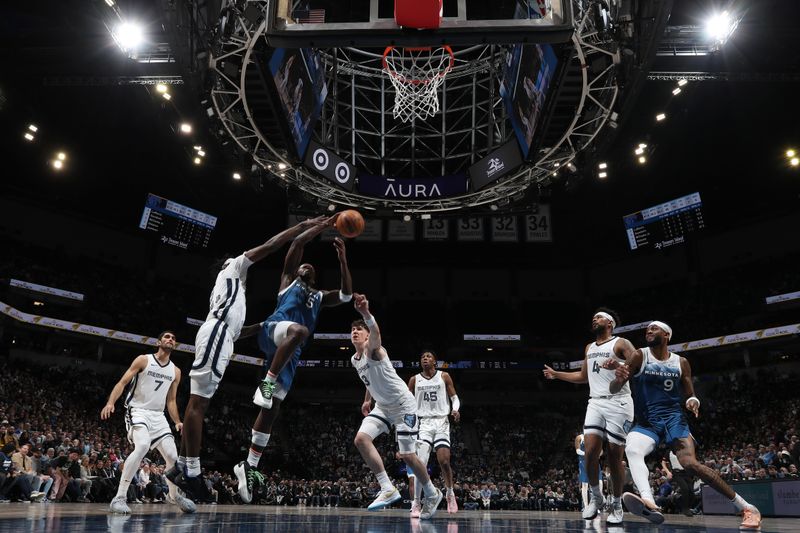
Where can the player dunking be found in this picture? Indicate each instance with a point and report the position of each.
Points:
(214, 347)
(394, 405)
(432, 388)
(608, 416)
(153, 382)
(282, 337)
(661, 380)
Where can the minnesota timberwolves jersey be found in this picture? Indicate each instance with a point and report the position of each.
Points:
(600, 378)
(149, 387)
(431, 395)
(658, 387)
(298, 303)
(382, 381)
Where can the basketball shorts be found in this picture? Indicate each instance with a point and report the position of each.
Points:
(213, 349)
(611, 418)
(269, 337)
(435, 430)
(664, 429)
(154, 421)
(405, 422)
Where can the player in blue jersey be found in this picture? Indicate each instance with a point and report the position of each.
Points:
(661, 379)
(583, 476)
(282, 337)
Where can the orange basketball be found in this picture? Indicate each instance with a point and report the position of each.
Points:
(350, 223)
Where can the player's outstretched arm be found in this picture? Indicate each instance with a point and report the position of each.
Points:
(172, 402)
(451, 393)
(139, 364)
(345, 292)
(294, 256)
(624, 372)
(274, 243)
(581, 376)
(374, 347)
(692, 403)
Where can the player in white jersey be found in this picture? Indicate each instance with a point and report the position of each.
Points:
(609, 416)
(434, 392)
(213, 350)
(153, 382)
(394, 406)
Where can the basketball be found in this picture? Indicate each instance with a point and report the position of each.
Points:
(350, 223)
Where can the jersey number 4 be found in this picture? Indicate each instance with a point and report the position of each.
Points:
(596, 368)
(429, 396)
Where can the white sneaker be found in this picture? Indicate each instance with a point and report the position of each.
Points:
(416, 509)
(263, 394)
(635, 505)
(119, 505)
(593, 507)
(385, 498)
(615, 516)
(430, 505)
(185, 504)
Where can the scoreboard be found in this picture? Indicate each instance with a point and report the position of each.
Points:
(177, 224)
(665, 224)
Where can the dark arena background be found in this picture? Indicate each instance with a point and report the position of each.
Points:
(518, 164)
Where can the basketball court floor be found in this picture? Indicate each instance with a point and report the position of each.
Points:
(88, 518)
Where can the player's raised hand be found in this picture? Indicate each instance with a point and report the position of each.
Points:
(622, 373)
(361, 304)
(693, 406)
(107, 411)
(341, 251)
(366, 407)
(549, 373)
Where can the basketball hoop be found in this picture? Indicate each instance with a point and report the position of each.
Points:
(416, 74)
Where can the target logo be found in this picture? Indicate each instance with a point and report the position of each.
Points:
(321, 160)
(342, 172)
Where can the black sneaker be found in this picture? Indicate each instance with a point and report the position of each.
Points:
(176, 476)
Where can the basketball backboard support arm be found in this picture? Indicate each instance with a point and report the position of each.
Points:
(284, 31)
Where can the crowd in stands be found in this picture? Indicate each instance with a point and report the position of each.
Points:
(55, 448)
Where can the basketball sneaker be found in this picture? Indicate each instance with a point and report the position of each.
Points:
(248, 477)
(416, 508)
(751, 519)
(615, 516)
(263, 395)
(452, 505)
(385, 498)
(119, 505)
(594, 506)
(430, 505)
(636, 505)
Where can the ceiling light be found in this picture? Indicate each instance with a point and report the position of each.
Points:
(555, 173)
(795, 161)
(642, 160)
(161, 88)
(58, 164)
(676, 91)
(556, 164)
(407, 218)
(790, 153)
(660, 117)
(602, 166)
(201, 153)
(642, 145)
(197, 160)
(489, 349)
(167, 96)
(110, 3)
(720, 27)
(33, 128)
(186, 128)
(493, 207)
(28, 137)
(639, 151)
(128, 35)
(61, 156)
(681, 83)
(602, 175)
(237, 176)
(331, 208)
(197, 147)
(281, 166)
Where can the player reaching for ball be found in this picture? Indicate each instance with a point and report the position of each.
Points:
(282, 337)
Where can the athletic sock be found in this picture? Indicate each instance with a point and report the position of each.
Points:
(740, 503)
(181, 462)
(383, 479)
(617, 500)
(596, 492)
(450, 491)
(417, 490)
(272, 378)
(258, 441)
(429, 488)
(253, 457)
(192, 466)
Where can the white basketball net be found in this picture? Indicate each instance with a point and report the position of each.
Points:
(416, 74)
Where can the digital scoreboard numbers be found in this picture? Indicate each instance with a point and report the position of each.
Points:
(666, 224)
(177, 224)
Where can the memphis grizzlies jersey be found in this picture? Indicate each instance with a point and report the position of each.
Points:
(382, 381)
(431, 395)
(600, 378)
(150, 386)
(298, 303)
(658, 386)
(228, 303)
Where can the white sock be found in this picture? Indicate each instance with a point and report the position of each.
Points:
(272, 378)
(429, 488)
(253, 457)
(192, 466)
(450, 491)
(181, 462)
(617, 500)
(417, 490)
(383, 479)
(740, 503)
(596, 492)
